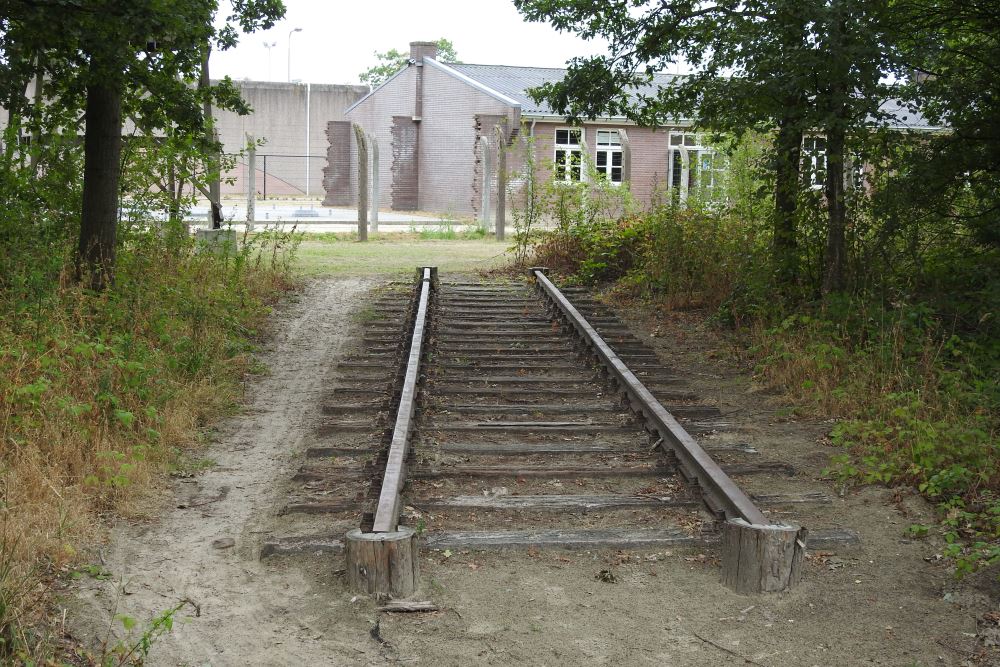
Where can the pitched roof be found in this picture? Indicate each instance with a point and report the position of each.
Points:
(514, 82)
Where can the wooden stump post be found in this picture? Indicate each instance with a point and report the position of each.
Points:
(484, 212)
(362, 142)
(373, 144)
(383, 563)
(501, 216)
(251, 182)
(761, 559)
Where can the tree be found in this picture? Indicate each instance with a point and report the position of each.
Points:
(952, 49)
(392, 61)
(797, 66)
(113, 60)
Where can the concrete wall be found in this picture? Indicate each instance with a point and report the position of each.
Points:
(279, 117)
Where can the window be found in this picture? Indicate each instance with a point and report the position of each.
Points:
(856, 176)
(814, 161)
(695, 167)
(569, 155)
(609, 155)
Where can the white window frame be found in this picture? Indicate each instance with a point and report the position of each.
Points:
(698, 166)
(814, 161)
(569, 150)
(610, 148)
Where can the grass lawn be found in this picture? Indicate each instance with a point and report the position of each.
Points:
(392, 254)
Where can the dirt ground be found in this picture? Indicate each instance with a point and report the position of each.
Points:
(890, 601)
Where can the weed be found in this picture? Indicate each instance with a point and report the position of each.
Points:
(135, 648)
(15, 591)
(366, 315)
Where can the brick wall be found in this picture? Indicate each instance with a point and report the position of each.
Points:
(339, 175)
(375, 114)
(448, 137)
(483, 124)
(405, 189)
(649, 155)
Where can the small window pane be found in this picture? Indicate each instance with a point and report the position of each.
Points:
(616, 174)
(608, 138)
(675, 140)
(602, 158)
(616, 159)
(562, 136)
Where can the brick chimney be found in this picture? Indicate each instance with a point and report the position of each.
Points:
(420, 50)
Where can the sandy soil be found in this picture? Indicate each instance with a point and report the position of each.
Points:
(889, 602)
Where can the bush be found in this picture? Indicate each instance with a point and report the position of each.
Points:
(908, 360)
(101, 393)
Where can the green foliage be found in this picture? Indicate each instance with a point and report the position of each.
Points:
(99, 392)
(391, 61)
(133, 650)
(953, 48)
(909, 361)
(919, 403)
(151, 51)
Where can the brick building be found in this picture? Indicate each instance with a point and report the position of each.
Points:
(429, 120)
(429, 117)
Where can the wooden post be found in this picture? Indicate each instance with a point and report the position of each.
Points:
(501, 182)
(214, 161)
(375, 193)
(761, 559)
(251, 182)
(359, 134)
(384, 564)
(484, 149)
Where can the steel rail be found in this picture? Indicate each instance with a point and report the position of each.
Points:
(721, 493)
(389, 505)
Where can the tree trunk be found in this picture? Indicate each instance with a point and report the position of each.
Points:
(834, 279)
(211, 140)
(95, 260)
(784, 247)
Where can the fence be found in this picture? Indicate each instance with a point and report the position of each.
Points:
(277, 176)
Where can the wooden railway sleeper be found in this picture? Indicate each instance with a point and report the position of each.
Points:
(758, 556)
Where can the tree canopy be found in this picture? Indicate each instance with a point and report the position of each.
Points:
(99, 62)
(761, 65)
(391, 61)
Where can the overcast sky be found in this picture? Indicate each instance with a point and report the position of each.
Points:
(339, 37)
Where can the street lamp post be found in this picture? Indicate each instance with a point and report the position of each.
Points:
(269, 46)
(290, 33)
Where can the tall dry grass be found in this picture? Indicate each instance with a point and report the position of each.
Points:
(101, 395)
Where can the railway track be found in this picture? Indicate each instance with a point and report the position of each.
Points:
(515, 415)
